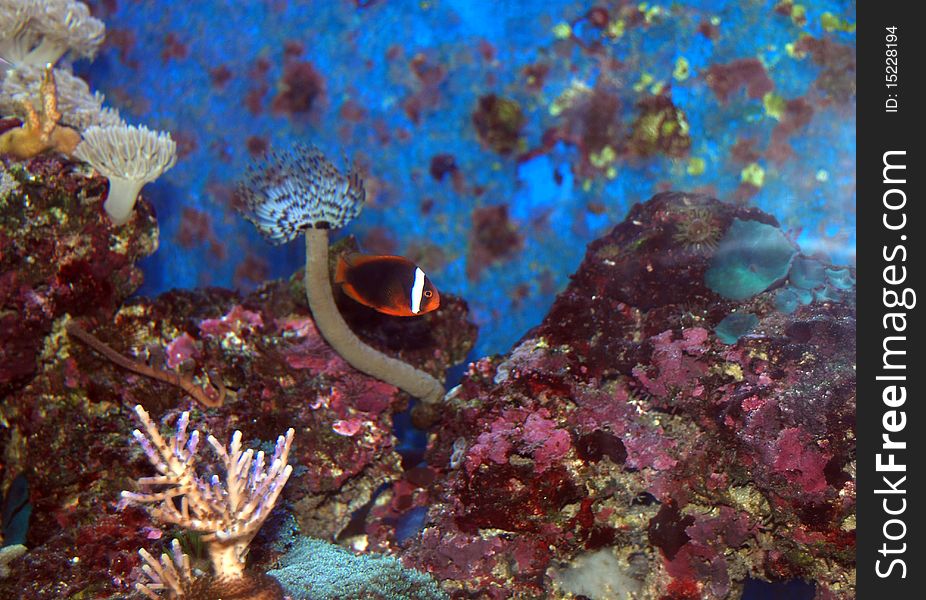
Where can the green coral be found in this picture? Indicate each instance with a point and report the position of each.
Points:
(317, 570)
(750, 258)
(734, 326)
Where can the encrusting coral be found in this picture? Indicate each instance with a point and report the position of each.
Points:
(129, 157)
(41, 132)
(314, 569)
(38, 32)
(303, 191)
(228, 510)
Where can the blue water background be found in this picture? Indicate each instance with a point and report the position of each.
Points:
(813, 195)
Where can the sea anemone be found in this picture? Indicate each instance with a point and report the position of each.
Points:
(38, 32)
(697, 230)
(129, 157)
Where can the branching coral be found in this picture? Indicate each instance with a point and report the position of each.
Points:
(37, 32)
(171, 573)
(303, 191)
(78, 107)
(129, 157)
(40, 132)
(228, 509)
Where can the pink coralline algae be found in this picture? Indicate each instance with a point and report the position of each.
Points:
(676, 362)
(623, 424)
(181, 349)
(801, 462)
(236, 320)
(530, 434)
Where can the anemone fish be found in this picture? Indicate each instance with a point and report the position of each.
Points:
(388, 284)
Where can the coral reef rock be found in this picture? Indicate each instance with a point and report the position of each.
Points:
(59, 254)
(625, 431)
(69, 425)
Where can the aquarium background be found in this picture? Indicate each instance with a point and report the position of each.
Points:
(496, 139)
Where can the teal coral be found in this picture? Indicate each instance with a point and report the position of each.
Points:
(811, 281)
(734, 326)
(317, 570)
(806, 273)
(787, 300)
(840, 279)
(750, 258)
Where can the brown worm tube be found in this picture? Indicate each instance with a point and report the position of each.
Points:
(334, 329)
(184, 383)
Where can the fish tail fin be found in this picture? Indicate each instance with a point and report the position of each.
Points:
(340, 273)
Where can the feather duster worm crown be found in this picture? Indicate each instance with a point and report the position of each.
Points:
(298, 190)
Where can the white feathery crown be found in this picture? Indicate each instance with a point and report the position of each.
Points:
(299, 190)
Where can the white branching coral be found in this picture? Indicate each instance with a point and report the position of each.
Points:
(228, 508)
(171, 574)
(37, 32)
(129, 157)
(78, 107)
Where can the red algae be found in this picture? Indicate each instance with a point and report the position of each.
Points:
(301, 87)
(493, 238)
(727, 79)
(73, 267)
(174, 48)
(345, 447)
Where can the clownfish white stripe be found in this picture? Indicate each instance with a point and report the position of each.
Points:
(417, 290)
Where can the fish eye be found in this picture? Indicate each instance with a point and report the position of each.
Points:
(428, 294)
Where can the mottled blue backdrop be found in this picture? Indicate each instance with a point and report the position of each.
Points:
(603, 104)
